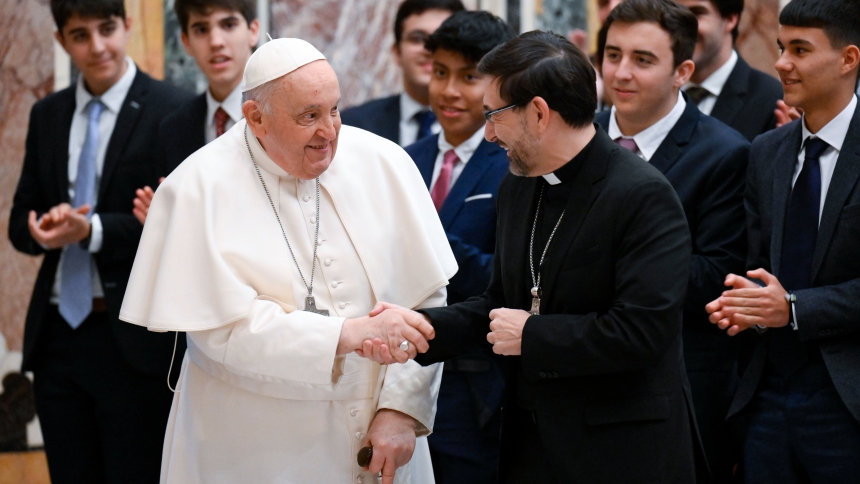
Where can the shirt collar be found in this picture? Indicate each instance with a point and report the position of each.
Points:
(834, 132)
(409, 107)
(568, 171)
(232, 105)
(650, 138)
(464, 150)
(717, 80)
(113, 97)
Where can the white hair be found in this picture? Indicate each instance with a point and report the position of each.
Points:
(262, 95)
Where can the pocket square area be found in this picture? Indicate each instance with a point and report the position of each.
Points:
(478, 197)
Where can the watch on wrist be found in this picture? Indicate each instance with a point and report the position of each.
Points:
(791, 299)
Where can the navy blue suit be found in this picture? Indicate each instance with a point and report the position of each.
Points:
(705, 161)
(379, 116)
(748, 100)
(474, 381)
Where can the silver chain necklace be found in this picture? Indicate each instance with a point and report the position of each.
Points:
(310, 302)
(536, 290)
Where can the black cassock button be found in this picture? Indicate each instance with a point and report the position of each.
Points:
(364, 456)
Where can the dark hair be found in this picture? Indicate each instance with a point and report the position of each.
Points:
(679, 22)
(840, 19)
(417, 7)
(470, 34)
(546, 65)
(62, 10)
(184, 9)
(727, 8)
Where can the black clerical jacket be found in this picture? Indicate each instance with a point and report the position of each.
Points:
(602, 363)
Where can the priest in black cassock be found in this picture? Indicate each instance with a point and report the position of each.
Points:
(589, 277)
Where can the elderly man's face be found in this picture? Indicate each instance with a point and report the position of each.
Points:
(301, 133)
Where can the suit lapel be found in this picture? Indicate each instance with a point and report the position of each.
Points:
(731, 100)
(132, 106)
(471, 176)
(679, 136)
(390, 128)
(518, 225)
(198, 138)
(844, 179)
(584, 192)
(783, 169)
(426, 160)
(61, 146)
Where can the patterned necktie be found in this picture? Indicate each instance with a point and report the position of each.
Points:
(425, 120)
(628, 143)
(221, 118)
(443, 183)
(787, 352)
(697, 93)
(76, 284)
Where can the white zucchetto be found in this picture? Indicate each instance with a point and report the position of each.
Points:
(277, 58)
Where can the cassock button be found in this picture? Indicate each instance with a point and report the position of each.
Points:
(306, 198)
(341, 305)
(327, 262)
(353, 412)
(313, 220)
(360, 480)
(358, 435)
(334, 284)
(542, 374)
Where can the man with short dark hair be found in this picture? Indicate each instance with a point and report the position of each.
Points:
(406, 117)
(587, 289)
(724, 85)
(462, 170)
(800, 394)
(647, 58)
(100, 386)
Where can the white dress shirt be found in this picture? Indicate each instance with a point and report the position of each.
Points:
(232, 105)
(409, 126)
(464, 152)
(833, 133)
(715, 83)
(650, 138)
(112, 99)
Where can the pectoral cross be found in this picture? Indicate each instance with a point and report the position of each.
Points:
(311, 306)
(535, 301)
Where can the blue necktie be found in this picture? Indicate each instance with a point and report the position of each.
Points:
(425, 122)
(76, 285)
(787, 352)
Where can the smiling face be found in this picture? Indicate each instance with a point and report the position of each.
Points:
(714, 34)
(97, 48)
(410, 54)
(457, 95)
(638, 72)
(300, 134)
(512, 132)
(221, 43)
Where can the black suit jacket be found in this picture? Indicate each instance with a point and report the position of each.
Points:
(748, 100)
(379, 116)
(603, 360)
(829, 312)
(706, 161)
(128, 165)
(181, 133)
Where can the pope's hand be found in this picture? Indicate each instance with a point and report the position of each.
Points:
(389, 329)
(392, 435)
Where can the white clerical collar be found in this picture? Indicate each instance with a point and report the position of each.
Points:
(650, 138)
(232, 105)
(717, 80)
(113, 97)
(464, 150)
(409, 107)
(834, 132)
(264, 161)
(551, 179)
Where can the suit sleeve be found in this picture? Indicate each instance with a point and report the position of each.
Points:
(652, 261)
(476, 266)
(719, 240)
(757, 252)
(828, 311)
(28, 194)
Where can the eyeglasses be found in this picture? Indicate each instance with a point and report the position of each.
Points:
(488, 115)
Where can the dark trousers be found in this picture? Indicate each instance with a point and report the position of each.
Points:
(800, 431)
(523, 459)
(102, 422)
(712, 395)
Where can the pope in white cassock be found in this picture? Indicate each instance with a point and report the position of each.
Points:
(247, 245)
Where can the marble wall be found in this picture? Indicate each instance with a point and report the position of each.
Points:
(26, 75)
(758, 30)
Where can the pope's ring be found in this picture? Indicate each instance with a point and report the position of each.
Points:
(404, 345)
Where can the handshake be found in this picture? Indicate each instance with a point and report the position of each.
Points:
(389, 334)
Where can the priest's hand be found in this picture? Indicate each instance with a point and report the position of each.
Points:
(142, 201)
(390, 328)
(376, 349)
(392, 435)
(60, 226)
(506, 331)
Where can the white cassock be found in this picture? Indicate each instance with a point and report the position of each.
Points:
(262, 397)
